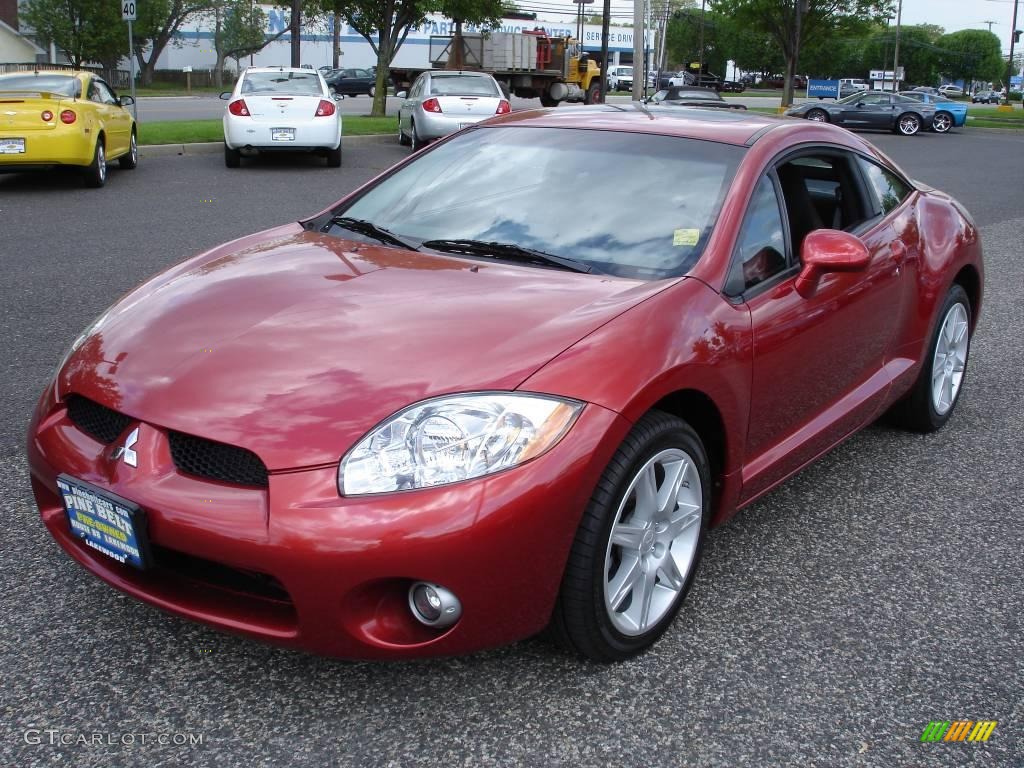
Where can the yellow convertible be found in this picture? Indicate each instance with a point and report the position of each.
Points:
(64, 118)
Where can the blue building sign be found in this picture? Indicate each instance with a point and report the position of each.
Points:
(823, 89)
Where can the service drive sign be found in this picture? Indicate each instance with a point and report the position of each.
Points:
(128, 10)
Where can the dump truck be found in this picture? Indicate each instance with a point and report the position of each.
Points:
(530, 65)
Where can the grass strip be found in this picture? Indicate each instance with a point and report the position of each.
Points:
(193, 131)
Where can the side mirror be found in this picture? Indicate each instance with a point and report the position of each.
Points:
(338, 96)
(126, 101)
(402, 95)
(226, 95)
(829, 250)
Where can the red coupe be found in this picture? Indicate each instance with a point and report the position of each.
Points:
(480, 396)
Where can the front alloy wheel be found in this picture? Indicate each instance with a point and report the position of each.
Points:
(818, 115)
(638, 544)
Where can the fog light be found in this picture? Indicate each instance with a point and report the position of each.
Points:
(434, 605)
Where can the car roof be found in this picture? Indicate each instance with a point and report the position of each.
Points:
(449, 72)
(727, 127)
(258, 70)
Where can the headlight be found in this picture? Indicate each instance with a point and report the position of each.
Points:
(89, 330)
(454, 438)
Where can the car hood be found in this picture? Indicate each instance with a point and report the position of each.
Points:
(293, 344)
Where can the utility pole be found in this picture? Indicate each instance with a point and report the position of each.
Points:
(1009, 62)
(990, 23)
(638, 47)
(604, 49)
(896, 53)
(700, 55)
(296, 26)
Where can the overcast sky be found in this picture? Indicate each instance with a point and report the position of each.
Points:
(950, 14)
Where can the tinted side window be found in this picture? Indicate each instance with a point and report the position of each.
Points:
(760, 251)
(888, 189)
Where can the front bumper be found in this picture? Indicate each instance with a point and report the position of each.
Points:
(297, 565)
(246, 133)
(434, 125)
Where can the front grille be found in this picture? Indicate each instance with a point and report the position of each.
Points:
(216, 461)
(96, 420)
(215, 574)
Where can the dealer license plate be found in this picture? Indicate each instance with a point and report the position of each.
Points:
(282, 134)
(105, 522)
(12, 146)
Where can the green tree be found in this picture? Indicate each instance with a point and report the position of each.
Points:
(790, 23)
(86, 30)
(919, 56)
(385, 24)
(239, 30)
(971, 54)
(158, 23)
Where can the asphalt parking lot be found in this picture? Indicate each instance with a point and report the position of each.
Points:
(881, 589)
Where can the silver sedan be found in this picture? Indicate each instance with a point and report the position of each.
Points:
(442, 102)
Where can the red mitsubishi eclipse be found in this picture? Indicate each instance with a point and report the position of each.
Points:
(482, 396)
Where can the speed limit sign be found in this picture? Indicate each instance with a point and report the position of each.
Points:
(128, 10)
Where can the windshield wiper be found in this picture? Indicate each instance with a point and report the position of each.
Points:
(370, 229)
(509, 251)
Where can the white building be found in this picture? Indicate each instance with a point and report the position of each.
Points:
(193, 45)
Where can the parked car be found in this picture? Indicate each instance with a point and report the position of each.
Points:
(854, 84)
(65, 118)
(926, 89)
(692, 96)
(951, 90)
(682, 77)
(450, 411)
(948, 114)
(733, 86)
(620, 79)
(779, 81)
(986, 97)
(871, 109)
(442, 102)
(281, 109)
(352, 82)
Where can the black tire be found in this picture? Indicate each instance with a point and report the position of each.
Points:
(232, 157)
(96, 172)
(334, 157)
(404, 140)
(547, 101)
(417, 142)
(907, 124)
(580, 622)
(130, 161)
(942, 122)
(593, 94)
(917, 410)
(818, 115)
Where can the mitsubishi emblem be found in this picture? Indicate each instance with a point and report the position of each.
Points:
(125, 451)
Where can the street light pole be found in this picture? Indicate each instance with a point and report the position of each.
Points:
(638, 46)
(1009, 63)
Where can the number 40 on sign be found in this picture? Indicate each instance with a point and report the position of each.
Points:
(128, 10)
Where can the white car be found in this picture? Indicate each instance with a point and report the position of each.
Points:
(682, 78)
(951, 90)
(853, 84)
(445, 101)
(281, 109)
(620, 79)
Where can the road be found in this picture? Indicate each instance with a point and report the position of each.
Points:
(152, 108)
(880, 589)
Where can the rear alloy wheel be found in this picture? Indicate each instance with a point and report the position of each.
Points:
(943, 122)
(130, 160)
(96, 173)
(417, 142)
(593, 95)
(232, 157)
(818, 115)
(931, 402)
(638, 545)
(908, 124)
(334, 157)
(404, 140)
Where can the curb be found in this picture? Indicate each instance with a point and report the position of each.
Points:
(213, 147)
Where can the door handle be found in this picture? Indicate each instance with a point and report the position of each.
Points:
(899, 251)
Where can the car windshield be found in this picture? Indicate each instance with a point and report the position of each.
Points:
(536, 188)
(914, 96)
(462, 85)
(624, 71)
(297, 83)
(852, 97)
(64, 85)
